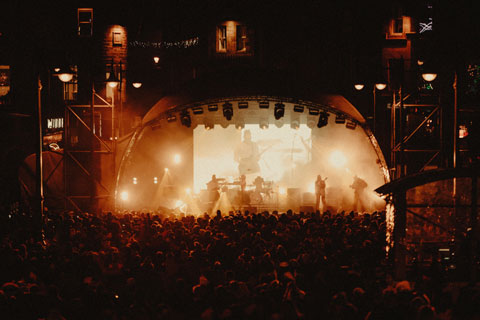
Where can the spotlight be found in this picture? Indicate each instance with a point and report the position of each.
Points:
(171, 117)
(239, 125)
(295, 124)
(282, 191)
(212, 107)
(134, 180)
(155, 180)
(185, 119)
(227, 111)
(279, 111)
(166, 169)
(176, 158)
(322, 120)
(243, 105)
(313, 111)
(298, 108)
(340, 119)
(263, 104)
(209, 126)
(124, 195)
(156, 59)
(351, 125)
(197, 110)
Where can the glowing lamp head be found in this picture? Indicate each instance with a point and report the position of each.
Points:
(134, 180)
(429, 76)
(358, 86)
(156, 59)
(124, 195)
(337, 159)
(136, 85)
(155, 180)
(380, 86)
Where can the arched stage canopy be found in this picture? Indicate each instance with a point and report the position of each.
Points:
(266, 142)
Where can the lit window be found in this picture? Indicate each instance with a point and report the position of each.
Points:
(117, 39)
(4, 80)
(222, 38)
(398, 25)
(85, 22)
(241, 38)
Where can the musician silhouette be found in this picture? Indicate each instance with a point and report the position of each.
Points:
(358, 185)
(246, 155)
(212, 187)
(320, 192)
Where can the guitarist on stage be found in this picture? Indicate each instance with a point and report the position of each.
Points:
(320, 192)
(246, 155)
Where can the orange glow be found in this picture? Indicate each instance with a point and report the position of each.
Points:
(359, 86)
(337, 159)
(177, 159)
(124, 195)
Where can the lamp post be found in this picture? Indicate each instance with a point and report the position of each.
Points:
(378, 86)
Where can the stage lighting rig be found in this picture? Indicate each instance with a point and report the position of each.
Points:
(185, 119)
(279, 111)
(243, 105)
(322, 120)
(340, 119)
(227, 111)
(298, 108)
(263, 104)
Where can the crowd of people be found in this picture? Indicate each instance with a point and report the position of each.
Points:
(233, 266)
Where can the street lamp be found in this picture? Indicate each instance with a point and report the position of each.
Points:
(112, 79)
(378, 86)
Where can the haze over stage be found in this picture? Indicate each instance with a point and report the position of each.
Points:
(290, 153)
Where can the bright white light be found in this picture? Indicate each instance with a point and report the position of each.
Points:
(188, 191)
(177, 158)
(112, 84)
(156, 59)
(124, 195)
(134, 180)
(166, 169)
(380, 86)
(155, 180)
(65, 77)
(359, 86)
(429, 76)
(338, 159)
(137, 85)
(282, 191)
(420, 62)
(56, 69)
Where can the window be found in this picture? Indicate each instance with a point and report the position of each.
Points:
(4, 80)
(241, 38)
(70, 89)
(117, 39)
(398, 25)
(85, 22)
(222, 38)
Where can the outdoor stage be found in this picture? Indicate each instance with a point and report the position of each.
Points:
(252, 154)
